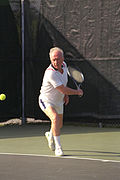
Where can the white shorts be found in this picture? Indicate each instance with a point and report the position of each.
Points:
(44, 105)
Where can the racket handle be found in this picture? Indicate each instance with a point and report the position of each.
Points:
(79, 87)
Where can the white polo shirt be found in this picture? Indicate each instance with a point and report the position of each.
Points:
(52, 79)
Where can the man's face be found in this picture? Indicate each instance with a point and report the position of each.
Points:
(57, 59)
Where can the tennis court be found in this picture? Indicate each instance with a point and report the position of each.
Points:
(90, 153)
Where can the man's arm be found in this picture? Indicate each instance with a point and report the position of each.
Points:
(69, 91)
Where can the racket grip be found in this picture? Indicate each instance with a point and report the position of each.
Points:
(78, 87)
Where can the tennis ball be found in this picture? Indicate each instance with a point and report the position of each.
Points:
(2, 97)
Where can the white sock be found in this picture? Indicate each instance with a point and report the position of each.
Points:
(57, 141)
(51, 134)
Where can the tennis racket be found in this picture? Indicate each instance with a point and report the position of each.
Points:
(76, 75)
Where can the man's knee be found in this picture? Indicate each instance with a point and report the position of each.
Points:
(55, 119)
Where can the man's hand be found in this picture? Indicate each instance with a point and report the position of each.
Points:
(80, 92)
(66, 99)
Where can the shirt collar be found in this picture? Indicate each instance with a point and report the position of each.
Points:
(55, 68)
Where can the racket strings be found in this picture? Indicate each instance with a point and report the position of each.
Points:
(77, 75)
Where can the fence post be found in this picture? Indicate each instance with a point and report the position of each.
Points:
(23, 63)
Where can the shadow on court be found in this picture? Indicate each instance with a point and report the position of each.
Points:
(91, 154)
(16, 131)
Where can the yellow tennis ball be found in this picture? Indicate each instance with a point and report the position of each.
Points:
(2, 97)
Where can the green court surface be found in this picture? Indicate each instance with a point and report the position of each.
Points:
(90, 153)
(79, 142)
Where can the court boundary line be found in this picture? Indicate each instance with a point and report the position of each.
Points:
(62, 157)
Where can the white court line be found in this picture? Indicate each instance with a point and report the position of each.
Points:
(62, 157)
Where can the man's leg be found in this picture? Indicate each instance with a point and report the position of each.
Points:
(55, 121)
(58, 147)
(56, 125)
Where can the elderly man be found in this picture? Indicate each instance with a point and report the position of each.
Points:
(53, 94)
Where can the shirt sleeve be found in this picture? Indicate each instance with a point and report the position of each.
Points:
(54, 79)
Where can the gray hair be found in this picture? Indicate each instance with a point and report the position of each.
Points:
(56, 49)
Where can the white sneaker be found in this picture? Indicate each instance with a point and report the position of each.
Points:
(50, 140)
(59, 151)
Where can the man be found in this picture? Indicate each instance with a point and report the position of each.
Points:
(53, 94)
